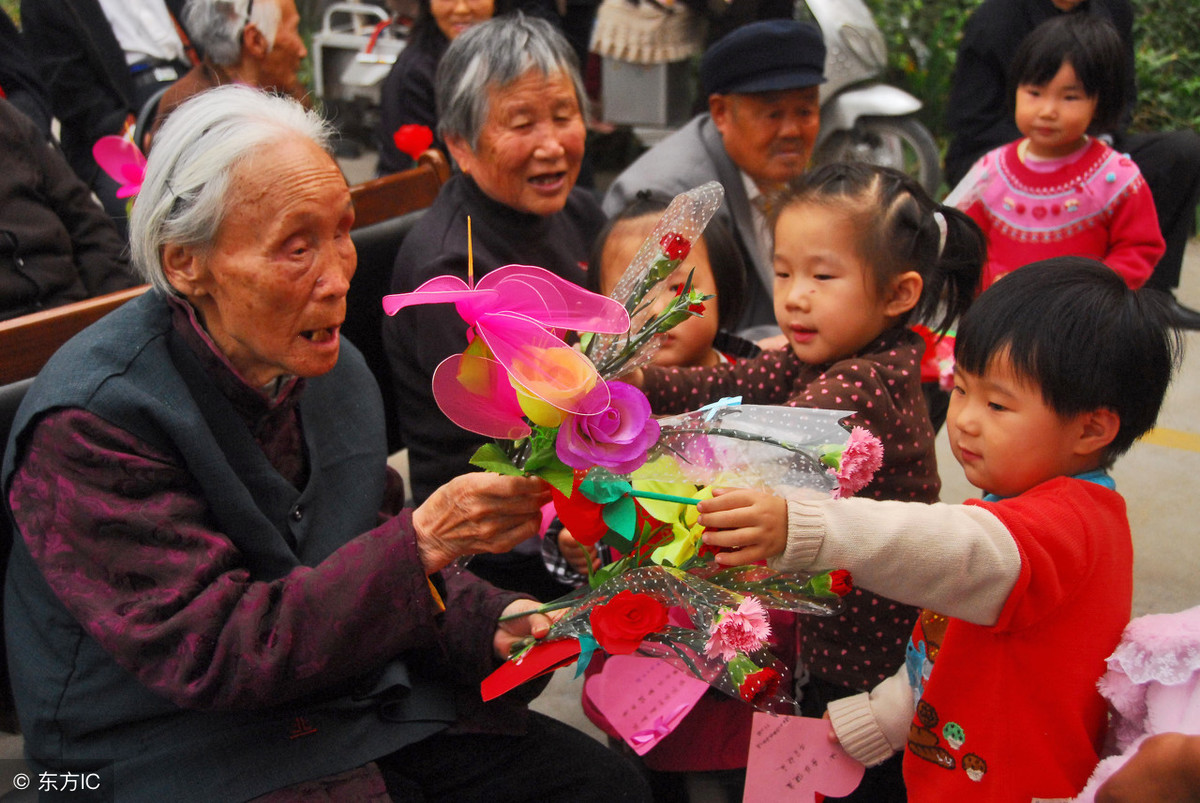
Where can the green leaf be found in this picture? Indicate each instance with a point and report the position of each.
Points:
(604, 491)
(609, 571)
(558, 474)
(491, 457)
(621, 517)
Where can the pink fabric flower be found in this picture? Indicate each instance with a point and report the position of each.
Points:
(861, 458)
(617, 438)
(744, 630)
(123, 161)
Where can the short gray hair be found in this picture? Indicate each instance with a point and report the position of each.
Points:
(217, 25)
(495, 54)
(187, 185)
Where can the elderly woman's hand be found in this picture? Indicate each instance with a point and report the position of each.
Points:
(477, 512)
(514, 631)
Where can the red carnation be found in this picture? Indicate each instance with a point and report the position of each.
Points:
(697, 308)
(413, 139)
(760, 685)
(620, 625)
(675, 245)
(840, 582)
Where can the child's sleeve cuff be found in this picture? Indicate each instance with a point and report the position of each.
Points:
(806, 531)
(857, 730)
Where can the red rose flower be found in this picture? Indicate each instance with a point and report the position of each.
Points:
(760, 685)
(620, 624)
(675, 246)
(413, 139)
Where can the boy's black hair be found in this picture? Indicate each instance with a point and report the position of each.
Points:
(897, 231)
(1072, 327)
(1094, 50)
(728, 267)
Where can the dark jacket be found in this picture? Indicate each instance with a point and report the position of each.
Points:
(417, 339)
(56, 243)
(83, 65)
(19, 78)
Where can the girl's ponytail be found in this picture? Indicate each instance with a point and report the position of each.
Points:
(952, 283)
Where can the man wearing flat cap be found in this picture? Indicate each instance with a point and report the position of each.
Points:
(763, 117)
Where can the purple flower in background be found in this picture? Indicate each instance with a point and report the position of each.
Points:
(617, 438)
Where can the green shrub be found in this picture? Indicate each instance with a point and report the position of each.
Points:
(922, 38)
(1167, 33)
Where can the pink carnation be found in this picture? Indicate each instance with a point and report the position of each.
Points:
(861, 458)
(744, 630)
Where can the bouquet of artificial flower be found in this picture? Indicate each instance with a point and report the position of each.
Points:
(625, 479)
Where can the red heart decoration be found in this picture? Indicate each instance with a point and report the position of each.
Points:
(540, 659)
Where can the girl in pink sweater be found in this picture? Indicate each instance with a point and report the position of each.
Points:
(1058, 191)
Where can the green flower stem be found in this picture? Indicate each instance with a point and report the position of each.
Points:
(557, 605)
(683, 500)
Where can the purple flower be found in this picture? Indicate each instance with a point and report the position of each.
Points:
(617, 438)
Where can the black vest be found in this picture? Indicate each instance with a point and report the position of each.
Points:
(78, 705)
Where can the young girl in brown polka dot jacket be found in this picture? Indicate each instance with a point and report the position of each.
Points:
(860, 251)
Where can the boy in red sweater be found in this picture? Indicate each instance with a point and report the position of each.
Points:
(1059, 369)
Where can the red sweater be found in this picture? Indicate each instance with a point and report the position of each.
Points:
(1011, 712)
(1094, 204)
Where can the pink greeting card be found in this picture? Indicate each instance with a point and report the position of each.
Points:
(644, 698)
(791, 758)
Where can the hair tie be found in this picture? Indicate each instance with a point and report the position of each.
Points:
(940, 220)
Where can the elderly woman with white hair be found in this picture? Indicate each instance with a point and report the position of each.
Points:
(213, 593)
(511, 111)
(251, 42)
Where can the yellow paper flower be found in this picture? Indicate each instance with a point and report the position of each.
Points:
(553, 380)
(684, 527)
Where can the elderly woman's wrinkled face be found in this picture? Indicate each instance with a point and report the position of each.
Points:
(271, 289)
(530, 146)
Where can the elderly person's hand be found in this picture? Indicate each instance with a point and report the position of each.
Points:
(511, 632)
(477, 512)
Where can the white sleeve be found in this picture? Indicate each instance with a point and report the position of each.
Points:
(963, 194)
(871, 727)
(958, 560)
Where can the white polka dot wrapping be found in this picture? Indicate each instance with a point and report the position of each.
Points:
(703, 594)
(749, 446)
(685, 217)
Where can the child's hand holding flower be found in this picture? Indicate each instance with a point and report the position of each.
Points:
(746, 525)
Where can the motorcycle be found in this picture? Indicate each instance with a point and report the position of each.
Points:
(863, 120)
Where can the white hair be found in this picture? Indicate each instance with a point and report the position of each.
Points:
(187, 185)
(217, 25)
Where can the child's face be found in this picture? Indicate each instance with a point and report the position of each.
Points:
(1005, 436)
(689, 343)
(826, 302)
(1055, 116)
